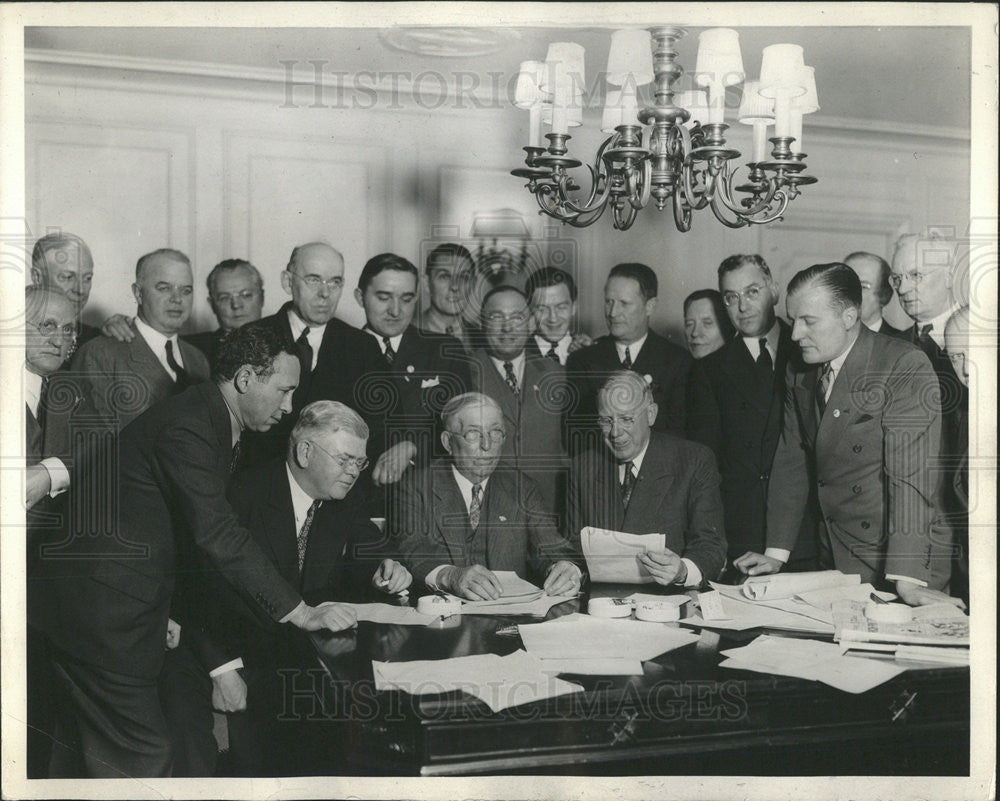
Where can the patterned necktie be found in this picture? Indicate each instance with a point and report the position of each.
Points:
(303, 538)
(181, 379)
(390, 354)
(628, 483)
(235, 458)
(823, 387)
(765, 366)
(553, 355)
(627, 361)
(475, 506)
(511, 379)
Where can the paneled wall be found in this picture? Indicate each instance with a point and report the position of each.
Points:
(219, 167)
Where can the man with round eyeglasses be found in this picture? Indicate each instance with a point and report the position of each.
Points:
(466, 516)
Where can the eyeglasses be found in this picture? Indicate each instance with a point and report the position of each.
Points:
(48, 328)
(496, 318)
(606, 423)
(314, 282)
(866, 285)
(246, 296)
(343, 460)
(475, 436)
(751, 293)
(895, 279)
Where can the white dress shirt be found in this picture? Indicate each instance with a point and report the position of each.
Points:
(394, 341)
(938, 323)
(465, 489)
(158, 344)
(772, 336)
(693, 573)
(562, 346)
(58, 474)
(314, 337)
(633, 348)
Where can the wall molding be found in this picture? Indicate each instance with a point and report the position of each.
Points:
(104, 71)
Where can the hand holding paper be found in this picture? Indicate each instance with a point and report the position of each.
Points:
(613, 556)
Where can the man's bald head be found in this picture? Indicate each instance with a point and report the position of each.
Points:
(314, 278)
(62, 261)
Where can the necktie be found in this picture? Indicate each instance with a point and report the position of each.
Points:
(303, 538)
(823, 387)
(305, 352)
(43, 403)
(627, 361)
(235, 459)
(511, 379)
(553, 355)
(628, 483)
(180, 373)
(390, 354)
(765, 366)
(925, 332)
(475, 506)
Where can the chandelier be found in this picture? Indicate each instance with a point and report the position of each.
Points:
(662, 151)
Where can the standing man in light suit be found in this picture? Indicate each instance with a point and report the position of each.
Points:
(863, 423)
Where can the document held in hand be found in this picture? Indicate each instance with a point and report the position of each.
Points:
(612, 556)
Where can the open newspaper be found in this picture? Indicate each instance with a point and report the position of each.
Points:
(941, 624)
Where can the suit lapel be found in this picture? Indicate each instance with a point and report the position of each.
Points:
(449, 512)
(840, 409)
(496, 388)
(651, 486)
(145, 362)
(279, 522)
(742, 374)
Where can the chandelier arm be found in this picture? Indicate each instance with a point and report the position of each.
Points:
(742, 209)
(719, 208)
(682, 211)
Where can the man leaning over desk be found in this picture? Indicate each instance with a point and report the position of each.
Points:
(645, 482)
(466, 515)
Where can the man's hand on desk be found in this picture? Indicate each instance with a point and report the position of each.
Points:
(37, 484)
(330, 616)
(391, 577)
(474, 583)
(563, 579)
(664, 566)
(915, 595)
(229, 692)
(393, 463)
(756, 564)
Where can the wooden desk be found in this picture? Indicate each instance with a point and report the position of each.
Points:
(683, 716)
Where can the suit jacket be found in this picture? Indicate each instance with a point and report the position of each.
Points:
(890, 331)
(429, 524)
(676, 494)
(207, 342)
(872, 457)
(534, 424)
(85, 333)
(342, 553)
(108, 595)
(344, 357)
(739, 417)
(123, 379)
(666, 364)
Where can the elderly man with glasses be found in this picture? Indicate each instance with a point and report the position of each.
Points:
(466, 516)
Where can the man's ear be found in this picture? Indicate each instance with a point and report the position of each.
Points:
(242, 379)
(300, 454)
(359, 297)
(137, 294)
(286, 281)
(36, 277)
(850, 316)
(651, 411)
(651, 306)
(446, 441)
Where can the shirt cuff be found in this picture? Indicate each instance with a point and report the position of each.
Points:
(781, 554)
(693, 573)
(58, 475)
(918, 582)
(431, 580)
(235, 664)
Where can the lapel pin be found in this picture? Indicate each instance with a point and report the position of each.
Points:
(648, 378)
(836, 412)
(503, 518)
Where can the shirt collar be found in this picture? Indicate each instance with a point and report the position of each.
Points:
(633, 348)
(562, 346)
(753, 343)
(465, 486)
(394, 341)
(156, 341)
(517, 363)
(300, 498)
(32, 390)
(298, 325)
(938, 323)
(637, 461)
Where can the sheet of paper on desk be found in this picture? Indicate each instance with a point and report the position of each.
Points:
(539, 607)
(579, 636)
(826, 597)
(611, 555)
(513, 587)
(943, 628)
(500, 682)
(729, 610)
(387, 613)
(598, 666)
(786, 585)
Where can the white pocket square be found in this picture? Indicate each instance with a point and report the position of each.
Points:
(427, 383)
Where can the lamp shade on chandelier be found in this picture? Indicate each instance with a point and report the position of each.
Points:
(673, 150)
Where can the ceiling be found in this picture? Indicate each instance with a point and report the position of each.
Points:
(904, 75)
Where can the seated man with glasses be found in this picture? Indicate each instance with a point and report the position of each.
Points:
(647, 482)
(465, 516)
(306, 514)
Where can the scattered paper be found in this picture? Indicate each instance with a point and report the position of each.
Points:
(387, 613)
(640, 597)
(933, 653)
(730, 610)
(581, 636)
(606, 666)
(787, 585)
(943, 629)
(825, 598)
(499, 681)
(711, 605)
(612, 555)
(513, 587)
(539, 607)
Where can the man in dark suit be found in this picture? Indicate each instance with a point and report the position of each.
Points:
(459, 519)
(876, 291)
(123, 379)
(236, 295)
(552, 295)
(333, 355)
(530, 391)
(416, 373)
(629, 301)
(735, 403)
(63, 262)
(109, 597)
(646, 482)
(449, 276)
(863, 424)
(311, 522)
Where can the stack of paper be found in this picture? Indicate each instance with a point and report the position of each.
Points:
(612, 555)
(518, 597)
(727, 608)
(813, 660)
(937, 624)
(499, 681)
